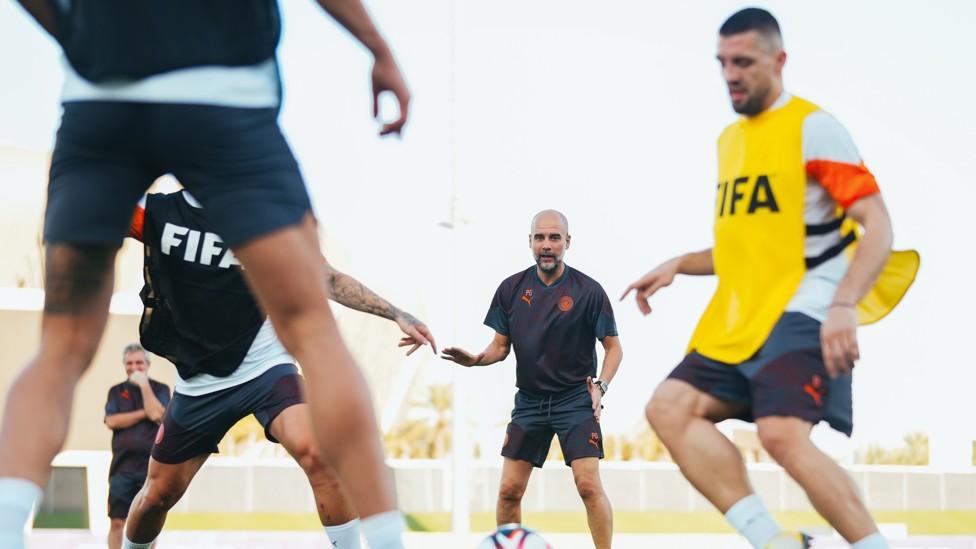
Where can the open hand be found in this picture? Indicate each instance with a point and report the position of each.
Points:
(417, 333)
(460, 356)
(661, 276)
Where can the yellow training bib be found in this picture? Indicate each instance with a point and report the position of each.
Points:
(759, 231)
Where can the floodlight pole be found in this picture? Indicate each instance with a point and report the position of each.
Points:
(460, 444)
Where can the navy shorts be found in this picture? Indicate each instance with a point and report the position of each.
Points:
(786, 377)
(122, 489)
(235, 161)
(536, 418)
(193, 425)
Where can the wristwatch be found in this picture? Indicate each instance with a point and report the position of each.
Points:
(602, 385)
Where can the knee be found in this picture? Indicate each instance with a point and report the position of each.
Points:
(311, 460)
(511, 492)
(589, 489)
(156, 496)
(665, 413)
(781, 444)
(303, 448)
(66, 353)
(655, 412)
(116, 525)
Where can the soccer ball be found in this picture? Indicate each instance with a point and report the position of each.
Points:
(514, 536)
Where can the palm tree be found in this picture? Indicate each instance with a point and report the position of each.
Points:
(914, 452)
(428, 434)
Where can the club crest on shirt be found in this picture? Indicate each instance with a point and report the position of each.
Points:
(527, 297)
(565, 303)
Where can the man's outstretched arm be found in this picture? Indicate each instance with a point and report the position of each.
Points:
(695, 263)
(349, 292)
(496, 351)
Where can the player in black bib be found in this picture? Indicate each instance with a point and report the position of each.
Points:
(552, 315)
(200, 315)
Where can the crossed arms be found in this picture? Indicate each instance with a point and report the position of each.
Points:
(152, 409)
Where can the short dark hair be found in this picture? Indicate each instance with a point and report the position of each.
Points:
(748, 19)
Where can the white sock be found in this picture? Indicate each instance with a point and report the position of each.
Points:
(874, 541)
(126, 544)
(384, 531)
(344, 536)
(17, 500)
(751, 519)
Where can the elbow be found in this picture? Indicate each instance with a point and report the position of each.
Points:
(882, 224)
(619, 356)
(616, 351)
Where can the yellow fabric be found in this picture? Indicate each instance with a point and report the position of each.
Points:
(897, 276)
(895, 279)
(759, 231)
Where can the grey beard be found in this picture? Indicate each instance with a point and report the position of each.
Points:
(555, 264)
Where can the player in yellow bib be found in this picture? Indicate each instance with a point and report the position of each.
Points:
(777, 342)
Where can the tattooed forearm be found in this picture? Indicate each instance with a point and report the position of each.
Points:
(410, 319)
(349, 292)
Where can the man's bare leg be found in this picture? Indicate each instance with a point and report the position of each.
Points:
(515, 477)
(78, 288)
(286, 271)
(684, 418)
(599, 514)
(38, 405)
(293, 429)
(115, 528)
(165, 485)
(830, 489)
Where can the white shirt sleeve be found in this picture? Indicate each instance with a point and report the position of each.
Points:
(825, 138)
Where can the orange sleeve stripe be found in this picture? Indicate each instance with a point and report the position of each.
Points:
(138, 220)
(846, 183)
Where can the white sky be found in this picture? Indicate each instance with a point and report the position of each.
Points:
(609, 111)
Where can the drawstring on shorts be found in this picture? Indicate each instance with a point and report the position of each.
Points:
(545, 406)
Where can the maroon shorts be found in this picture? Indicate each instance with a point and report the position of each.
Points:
(786, 377)
(193, 425)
